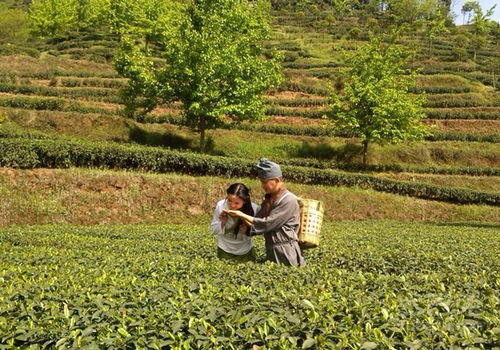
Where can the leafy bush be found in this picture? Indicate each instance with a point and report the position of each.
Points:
(307, 113)
(369, 284)
(106, 95)
(48, 103)
(479, 113)
(25, 153)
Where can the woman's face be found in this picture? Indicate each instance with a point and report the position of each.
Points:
(234, 202)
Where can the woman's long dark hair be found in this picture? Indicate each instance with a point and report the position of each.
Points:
(241, 191)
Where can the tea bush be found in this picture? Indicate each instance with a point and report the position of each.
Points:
(369, 284)
(466, 113)
(329, 130)
(48, 103)
(32, 153)
(89, 93)
(93, 82)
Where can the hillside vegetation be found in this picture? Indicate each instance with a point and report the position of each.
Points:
(65, 89)
(400, 285)
(104, 213)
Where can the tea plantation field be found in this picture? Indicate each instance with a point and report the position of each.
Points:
(369, 285)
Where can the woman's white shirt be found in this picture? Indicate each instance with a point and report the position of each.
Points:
(226, 239)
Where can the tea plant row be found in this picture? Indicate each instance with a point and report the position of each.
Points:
(484, 112)
(326, 130)
(32, 153)
(368, 285)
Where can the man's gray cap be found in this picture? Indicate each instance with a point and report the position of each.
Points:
(267, 169)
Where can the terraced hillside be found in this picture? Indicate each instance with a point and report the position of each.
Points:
(103, 218)
(70, 89)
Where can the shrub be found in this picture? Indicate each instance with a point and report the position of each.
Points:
(25, 153)
(463, 114)
(307, 113)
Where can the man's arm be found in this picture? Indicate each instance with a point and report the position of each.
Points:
(280, 214)
(247, 219)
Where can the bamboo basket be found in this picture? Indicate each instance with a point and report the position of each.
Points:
(311, 218)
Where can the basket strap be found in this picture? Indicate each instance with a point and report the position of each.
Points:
(283, 196)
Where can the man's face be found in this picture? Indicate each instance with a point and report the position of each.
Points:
(270, 185)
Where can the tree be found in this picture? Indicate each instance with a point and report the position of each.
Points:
(435, 27)
(460, 44)
(14, 26)
(92, 13)
(468, 8)
(481, 25)
(375, 104)
(213, 63)
(408, 11)
(142, 19)
(492, 65)
(51, 17)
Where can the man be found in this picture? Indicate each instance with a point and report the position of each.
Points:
(278, 218)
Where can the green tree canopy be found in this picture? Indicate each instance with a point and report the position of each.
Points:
(411, 10)
(14, 26)
(213, 63)
(481, 26)
(51, 17)
(375, 104)
(468, 9)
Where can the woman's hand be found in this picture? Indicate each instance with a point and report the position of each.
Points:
(243, 228)
(223, 219)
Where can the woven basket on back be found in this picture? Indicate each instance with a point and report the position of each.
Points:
(311, 218)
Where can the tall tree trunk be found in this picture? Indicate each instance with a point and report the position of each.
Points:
(365, 150)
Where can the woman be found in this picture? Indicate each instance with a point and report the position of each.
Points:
(233, 240)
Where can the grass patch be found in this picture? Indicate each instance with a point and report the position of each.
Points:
(87, 126)
(482, 183)
(254, 145)
(86, 196)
